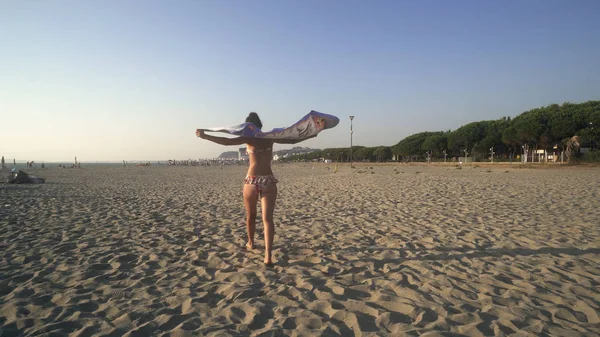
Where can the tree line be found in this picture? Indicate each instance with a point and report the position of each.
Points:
(555, 128)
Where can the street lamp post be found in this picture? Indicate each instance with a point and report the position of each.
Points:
(351, 132)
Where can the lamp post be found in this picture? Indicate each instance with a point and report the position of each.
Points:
(351, 132)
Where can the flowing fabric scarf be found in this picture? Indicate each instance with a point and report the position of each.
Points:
(308, 126)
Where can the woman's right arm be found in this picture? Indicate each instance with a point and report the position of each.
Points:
(220, 140)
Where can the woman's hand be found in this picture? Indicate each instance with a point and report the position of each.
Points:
(200, 133)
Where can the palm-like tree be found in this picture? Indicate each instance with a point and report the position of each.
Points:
(572, 145)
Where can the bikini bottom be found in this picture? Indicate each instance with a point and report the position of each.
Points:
(260, 182)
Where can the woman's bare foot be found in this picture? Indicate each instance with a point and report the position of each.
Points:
(250, 245)
(268, 261)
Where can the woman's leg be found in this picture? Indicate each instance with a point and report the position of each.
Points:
(269, 196)
(250, 200)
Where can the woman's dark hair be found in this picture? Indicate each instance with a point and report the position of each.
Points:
(254, 119)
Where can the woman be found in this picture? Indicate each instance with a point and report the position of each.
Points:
(259, 182)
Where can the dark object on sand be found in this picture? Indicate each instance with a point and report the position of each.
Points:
(21, 177)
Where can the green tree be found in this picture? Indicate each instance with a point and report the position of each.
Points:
(540, 128)
(510, 139)
(382, 153)
(411, 145)
(436, 142)
(467, 137)
(362, 153)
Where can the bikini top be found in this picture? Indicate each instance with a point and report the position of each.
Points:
(259, 150)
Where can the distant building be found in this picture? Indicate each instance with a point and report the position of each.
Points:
(242, 155)
(228, 155)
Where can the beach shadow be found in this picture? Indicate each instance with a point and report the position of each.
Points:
(498, 252)
(446, 253)
(17, 187)
(10, 329)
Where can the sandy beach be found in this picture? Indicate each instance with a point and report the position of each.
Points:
(395, 250)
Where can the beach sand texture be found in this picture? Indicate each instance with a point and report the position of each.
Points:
(389, 251)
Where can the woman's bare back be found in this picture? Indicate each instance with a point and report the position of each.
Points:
(260, 153)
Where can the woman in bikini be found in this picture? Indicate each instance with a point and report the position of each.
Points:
(260, 183)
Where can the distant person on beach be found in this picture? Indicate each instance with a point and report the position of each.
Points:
(259, 182)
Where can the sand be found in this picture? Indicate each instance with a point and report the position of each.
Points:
(395, 250)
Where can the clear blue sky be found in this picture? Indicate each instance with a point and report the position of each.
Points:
(113, 80)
